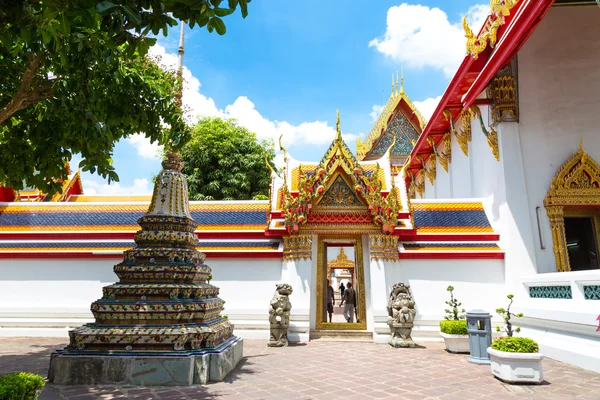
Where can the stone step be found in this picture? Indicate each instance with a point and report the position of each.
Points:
(341, 335)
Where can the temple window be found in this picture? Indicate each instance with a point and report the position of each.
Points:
(573, 207)
(581, 235)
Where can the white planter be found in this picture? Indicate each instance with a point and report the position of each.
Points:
(456, 343)
(516, 367)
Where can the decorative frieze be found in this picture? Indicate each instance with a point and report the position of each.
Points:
(503, 91)
(383, 247)
(591, 292)
(297, 247)
(550, 292)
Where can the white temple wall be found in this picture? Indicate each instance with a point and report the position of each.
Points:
(49, 286)
(485, 168)
(443, 187)
(429, 189)
(462, 187)
(42, 297)
(558, 102)
(370, 299)
(478, 284)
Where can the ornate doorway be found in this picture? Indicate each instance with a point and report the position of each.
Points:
(325, 245)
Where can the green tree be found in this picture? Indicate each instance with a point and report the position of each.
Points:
(225, 161)
(75, 79)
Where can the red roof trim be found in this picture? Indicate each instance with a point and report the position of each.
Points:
(88, 255)
(521, 20)
(121, 235)
(438, 255)
(523, 23)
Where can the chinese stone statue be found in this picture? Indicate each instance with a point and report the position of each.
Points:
(279, 315)
(401, 316)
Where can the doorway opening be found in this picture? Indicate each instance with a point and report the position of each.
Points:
(340, 284)
(582, 242)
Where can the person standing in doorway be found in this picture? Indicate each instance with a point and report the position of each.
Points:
(330, 300)
(342, 288)
(350, 300)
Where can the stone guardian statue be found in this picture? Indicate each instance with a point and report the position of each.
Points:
(401, 316)
(279, 315)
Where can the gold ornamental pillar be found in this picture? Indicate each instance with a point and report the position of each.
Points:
(559, 240)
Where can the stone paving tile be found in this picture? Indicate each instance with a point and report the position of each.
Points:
(324, 370)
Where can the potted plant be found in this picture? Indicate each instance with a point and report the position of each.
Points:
(515, 359)
(454, 327)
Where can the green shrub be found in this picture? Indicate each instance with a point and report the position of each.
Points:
(455, 312)
(515, 345)
(506, 315)
(454, 327)
(20, 386)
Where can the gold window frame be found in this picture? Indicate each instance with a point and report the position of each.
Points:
(574, 191)
(360, 280)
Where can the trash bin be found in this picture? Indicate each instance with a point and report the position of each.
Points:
(479, 326)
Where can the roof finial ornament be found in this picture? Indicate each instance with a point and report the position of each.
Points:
(393, 85)
(285, 153)
(338, 128)
(401, 81)
(397, 83)
(581, 145)
(179, 95)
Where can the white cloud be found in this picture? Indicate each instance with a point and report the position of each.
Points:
(376, 111)
(427, 106)
(244, 111)
(140, 186)
(144, 147)
(419, 36)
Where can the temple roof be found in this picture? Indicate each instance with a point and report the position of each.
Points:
(340, 183)
(122, 217)
(70, 187)
(399, 118)
(506, 28)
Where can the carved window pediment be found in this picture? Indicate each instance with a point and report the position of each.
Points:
(576, 186)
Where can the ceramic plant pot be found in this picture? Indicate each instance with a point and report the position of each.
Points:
(456, 343)
(516, 367)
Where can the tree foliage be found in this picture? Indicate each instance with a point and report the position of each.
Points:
(225, 161)
(75, 79)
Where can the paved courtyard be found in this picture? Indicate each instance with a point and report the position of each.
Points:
(325, 370)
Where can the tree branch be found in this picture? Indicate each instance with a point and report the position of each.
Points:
(24, 96)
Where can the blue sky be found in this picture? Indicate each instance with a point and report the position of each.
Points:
(287, 67)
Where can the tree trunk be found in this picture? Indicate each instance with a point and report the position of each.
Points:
(25, 96)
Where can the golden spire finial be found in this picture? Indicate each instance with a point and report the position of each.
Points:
(338, 128)
(397, 83)
(393, 85)
(179, 95)
(401, 81)
(581, 145)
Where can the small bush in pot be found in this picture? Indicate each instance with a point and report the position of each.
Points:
(510, 355)
(515, 345)
(454, 327)
(20, 386)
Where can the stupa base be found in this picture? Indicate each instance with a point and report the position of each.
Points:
(145, 368)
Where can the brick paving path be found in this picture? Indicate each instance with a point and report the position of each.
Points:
(325, 370)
